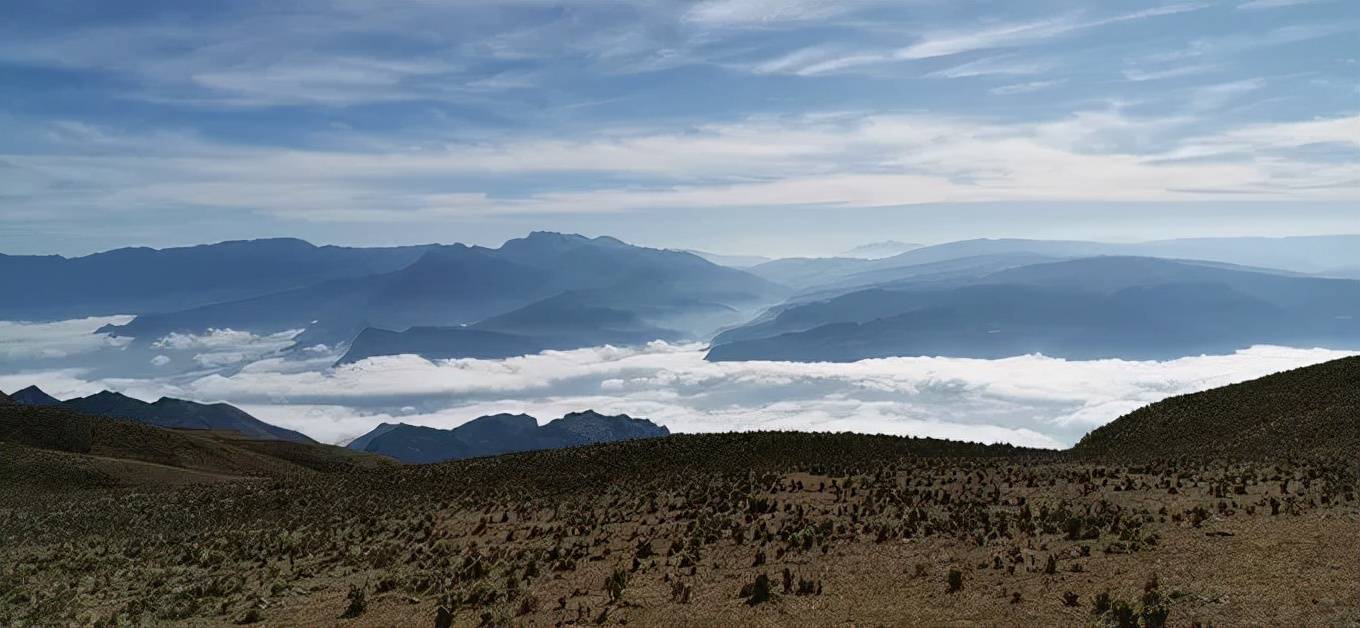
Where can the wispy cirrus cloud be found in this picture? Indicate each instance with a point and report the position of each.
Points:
(360, 113)
(824, 59)
(843, 160)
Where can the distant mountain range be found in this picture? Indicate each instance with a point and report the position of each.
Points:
(880, 250)
(547, 290)
(1100, 307)
(484, 436)
(552, 291)
(501, 433)
(1310, 255)
(732, 261)
(141, 280)
(164, 412)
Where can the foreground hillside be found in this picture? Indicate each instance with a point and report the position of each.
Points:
(716, 529)
(1306, 411)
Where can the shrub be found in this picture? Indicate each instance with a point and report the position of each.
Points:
(758, 591)
(1101, 604)
(357, 602)
(615, 584)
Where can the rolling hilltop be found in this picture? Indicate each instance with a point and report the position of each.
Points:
(1313, 410)
(732, 529)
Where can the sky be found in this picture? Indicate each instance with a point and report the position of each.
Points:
(735, 126)
(1029, 400)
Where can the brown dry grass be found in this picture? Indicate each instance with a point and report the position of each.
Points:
(873, 525)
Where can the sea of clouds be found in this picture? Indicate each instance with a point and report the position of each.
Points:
(1029, 400)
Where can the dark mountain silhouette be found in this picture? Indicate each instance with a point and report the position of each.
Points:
(501, 433)
(177, 413)
(5, 400)
(1314, 410)
(561, 290)
(34, 396)
(440, 343)
(102, 451)
(1137, 308)
(141, 280)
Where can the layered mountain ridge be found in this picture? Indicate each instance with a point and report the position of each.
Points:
(164, 412)
(1087, 308)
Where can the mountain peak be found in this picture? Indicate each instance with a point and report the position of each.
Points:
(557, 239)
(501, 433)
(33, 396)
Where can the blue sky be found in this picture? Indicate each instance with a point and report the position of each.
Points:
(775, 127)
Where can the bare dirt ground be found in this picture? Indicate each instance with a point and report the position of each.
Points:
(640, 534)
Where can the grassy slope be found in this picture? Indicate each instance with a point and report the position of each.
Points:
(1306, 411)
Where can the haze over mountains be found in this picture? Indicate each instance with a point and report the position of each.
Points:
(141, 280)
(550, 291)
(542, 291)
(1099, 307)
(880, 250)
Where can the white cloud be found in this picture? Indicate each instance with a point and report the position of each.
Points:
(1251, 5)
(224, 347)
(22, 342)
(765, 12)
(1139, 75)
(823, 59)
(1024, 88)
(1030, 400)
(998, 65)
(1215, 96)
(949, 43)
(834, 160)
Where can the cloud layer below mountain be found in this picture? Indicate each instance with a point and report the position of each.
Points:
(1027, 400)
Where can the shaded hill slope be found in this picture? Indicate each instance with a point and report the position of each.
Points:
(182, 414)
(1314, 410)
(33, 396)
(60, 431)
